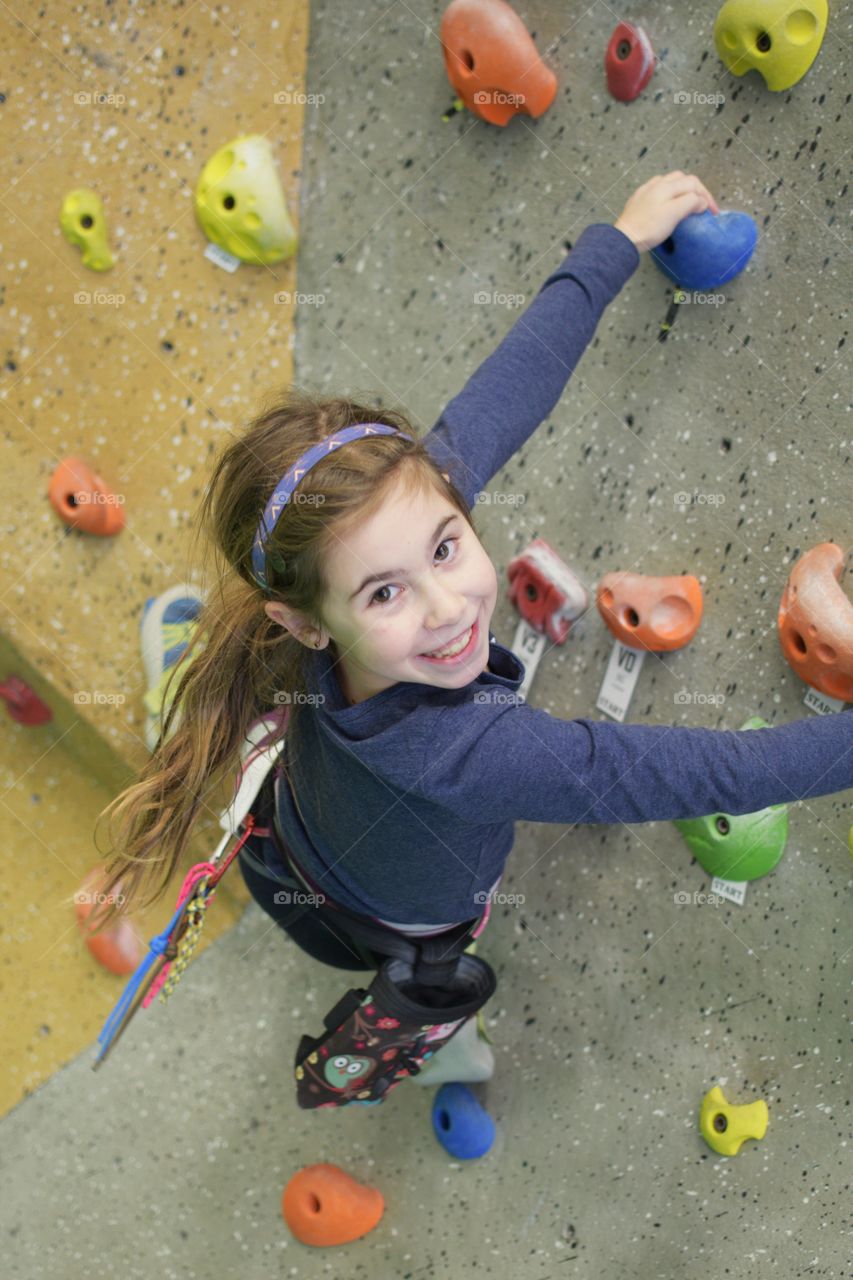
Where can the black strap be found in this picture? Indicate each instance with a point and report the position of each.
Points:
(434, 960)
(260, 868)
(344, 1009)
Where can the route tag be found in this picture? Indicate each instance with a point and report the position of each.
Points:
(528, 646)
(617, 687)
(822, 703)
(221, 257)
(733, 890)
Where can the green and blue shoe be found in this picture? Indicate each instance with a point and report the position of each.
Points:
(166, 628)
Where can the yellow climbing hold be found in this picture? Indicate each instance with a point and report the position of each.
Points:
(481, 1028)
(725, 1127)
(83, 225)
(240, 204)
(779, 39)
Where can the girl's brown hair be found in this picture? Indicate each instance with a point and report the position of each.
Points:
(240, 664)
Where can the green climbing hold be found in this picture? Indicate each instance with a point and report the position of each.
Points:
(739, 847)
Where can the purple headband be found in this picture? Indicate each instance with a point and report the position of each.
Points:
(291, 479)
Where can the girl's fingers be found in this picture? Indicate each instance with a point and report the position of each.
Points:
(703, 191)
(690, 183)
(689, 202)
(712, 204)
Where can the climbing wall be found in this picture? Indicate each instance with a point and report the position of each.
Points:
(142, 371)
(718, 447)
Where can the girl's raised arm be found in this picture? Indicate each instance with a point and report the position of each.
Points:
(506, 761)
(517, 386)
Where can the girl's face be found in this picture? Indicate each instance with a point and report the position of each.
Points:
(412, 579)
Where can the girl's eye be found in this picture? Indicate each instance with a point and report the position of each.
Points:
(387, 585)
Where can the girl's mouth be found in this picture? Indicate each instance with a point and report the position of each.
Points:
(463, 653)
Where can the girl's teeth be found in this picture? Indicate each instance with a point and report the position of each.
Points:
(457, 648)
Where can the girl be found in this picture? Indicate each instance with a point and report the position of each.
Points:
(356, 595)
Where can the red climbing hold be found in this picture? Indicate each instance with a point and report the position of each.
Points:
(628, 62)
(23, 703)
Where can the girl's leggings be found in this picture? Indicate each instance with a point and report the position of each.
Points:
(326, 943)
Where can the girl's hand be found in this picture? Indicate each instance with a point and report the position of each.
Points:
(656, 208)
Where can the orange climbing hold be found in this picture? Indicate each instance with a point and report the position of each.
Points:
(658, 614)
(119, 949)
(492, 62)
(816, 622)
(81, 499)
(323, 1205)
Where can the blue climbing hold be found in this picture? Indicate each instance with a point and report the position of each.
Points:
(706, 249)
(463, 1127)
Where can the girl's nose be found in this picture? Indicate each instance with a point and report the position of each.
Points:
(447, 609)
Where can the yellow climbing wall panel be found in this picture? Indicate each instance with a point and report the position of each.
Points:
(141, 370)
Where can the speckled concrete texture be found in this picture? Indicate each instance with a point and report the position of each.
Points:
(619, 1004)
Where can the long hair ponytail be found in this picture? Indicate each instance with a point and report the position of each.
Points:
(240, 664)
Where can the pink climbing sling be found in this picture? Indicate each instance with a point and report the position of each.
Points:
(169, 952)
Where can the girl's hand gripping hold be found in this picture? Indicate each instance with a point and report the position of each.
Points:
(656, 208)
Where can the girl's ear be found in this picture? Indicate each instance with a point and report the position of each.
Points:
(273, 612)
(277, 612)
(295, 625)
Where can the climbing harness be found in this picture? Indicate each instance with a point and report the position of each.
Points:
(424, 991)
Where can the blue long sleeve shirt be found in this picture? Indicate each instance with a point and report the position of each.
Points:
(405, 804)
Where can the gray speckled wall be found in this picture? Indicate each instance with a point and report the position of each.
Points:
(618, 1007)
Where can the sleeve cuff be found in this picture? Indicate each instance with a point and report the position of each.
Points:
(616, 241)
